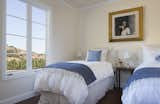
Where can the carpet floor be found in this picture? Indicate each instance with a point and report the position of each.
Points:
(111, 97)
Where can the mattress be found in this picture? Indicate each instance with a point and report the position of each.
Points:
(95, 92)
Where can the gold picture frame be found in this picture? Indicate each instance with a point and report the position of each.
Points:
(126, 25)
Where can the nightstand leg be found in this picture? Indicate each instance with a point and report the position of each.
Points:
(119, 81)
(116, 80)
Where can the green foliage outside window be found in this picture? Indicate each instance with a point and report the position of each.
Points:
(38, 63)
(16, 59)
(20, 65)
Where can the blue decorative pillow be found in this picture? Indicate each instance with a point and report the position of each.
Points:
(158, 58)
(94, 55)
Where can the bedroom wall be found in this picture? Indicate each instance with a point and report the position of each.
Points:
(94, 23)
(93, 30)
(61, 45)
(89, 29)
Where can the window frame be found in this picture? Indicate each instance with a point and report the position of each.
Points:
(28, 71)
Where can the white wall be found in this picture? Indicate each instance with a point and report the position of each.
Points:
(63, 41)
(94, 23)
(89, 29)
(62, 46)
(93, 28)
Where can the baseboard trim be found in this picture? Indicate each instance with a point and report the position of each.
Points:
(18, 98)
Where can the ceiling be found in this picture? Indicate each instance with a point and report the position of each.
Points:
(82, 3)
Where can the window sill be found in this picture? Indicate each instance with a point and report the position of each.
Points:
(37, 70)
(17, 75)
(20, 74)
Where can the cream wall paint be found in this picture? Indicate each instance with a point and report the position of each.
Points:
(94, 23)
(87, 28)
(93, 28)
(61, 45)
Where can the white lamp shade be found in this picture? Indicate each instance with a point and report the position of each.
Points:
(79, 54)
(126, 55)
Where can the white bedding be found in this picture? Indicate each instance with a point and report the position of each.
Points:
(95, 92)
(143, 91)
(70, 84)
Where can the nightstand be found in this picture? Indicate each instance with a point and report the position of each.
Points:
(118, 73)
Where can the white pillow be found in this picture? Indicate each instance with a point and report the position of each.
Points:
(103, 54)
(150, 52)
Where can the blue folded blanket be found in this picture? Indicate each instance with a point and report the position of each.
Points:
(81, 69)
(148, 72)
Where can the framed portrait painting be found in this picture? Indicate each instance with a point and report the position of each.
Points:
(126, 25)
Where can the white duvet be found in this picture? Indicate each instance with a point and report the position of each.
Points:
(70, 84)
(143, 91)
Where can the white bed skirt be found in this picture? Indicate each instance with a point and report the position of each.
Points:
(95, 92)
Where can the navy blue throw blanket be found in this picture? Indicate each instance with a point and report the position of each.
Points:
(148, 72)
(81, 69)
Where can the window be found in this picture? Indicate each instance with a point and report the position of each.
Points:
(16, 35)
(38, 37)
(26, 31)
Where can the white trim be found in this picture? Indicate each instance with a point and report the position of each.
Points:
(9, 34)
(3, 39)
(21, 74)
(37, 4)
(39, 23)
(99, 4)
(8, 15)
(21, 18)
(18, 98)
(29, 37)
(12, 34)
(67, 4)
(49, 31)
(18, 74)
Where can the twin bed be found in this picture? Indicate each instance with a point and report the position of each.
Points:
(67, 87)
(143, 87)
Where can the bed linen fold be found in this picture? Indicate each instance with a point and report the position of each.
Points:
(148, 72)
(81, 69)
